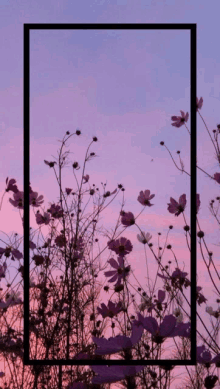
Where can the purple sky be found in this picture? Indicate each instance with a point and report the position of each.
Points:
(123, 87)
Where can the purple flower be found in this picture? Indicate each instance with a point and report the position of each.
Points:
(159, 301)
(175, 207)
(3, 270)
(159, 333)
(68, 191)
(199, 103)
(56, 211)
(121, 246)
(11, 185)
(217, 177)
(10, 251)
(32, 245)
(18, 201)
(182, 329)
(35, 200)
(180, 120)
(40, 219)
(51, 164)
(203, 355)
(110, 374)
(118, 343)
(199, 296)
(85, 178)
(119, 273)
(145, 197)
(111, 310)
(127, 218)
(60, 240)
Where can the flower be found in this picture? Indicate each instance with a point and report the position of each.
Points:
(107, 194)
(40, 219)
(127, 219)
(32, 245)
(86, 178)
(110, 374)
(10, 251)
(175, 207)
(203, 355)
(68, 191)
(217, 177)
(199, 103)
(119, 342)
(145, 303)
(121, 246)
(60, 240)
(13, 299)
(34, 200)
(11, 185)
(56, 211)
(144, 237)
(180, 120)
(198, 202)
(51, 164)
(111, 310)
(18, 201)
(159, 301)
(199, 296)
(159, 333)
(144, 198)
(119, 273)
(178, 314)
(3, 270)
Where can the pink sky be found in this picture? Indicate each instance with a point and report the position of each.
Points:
(123, 96)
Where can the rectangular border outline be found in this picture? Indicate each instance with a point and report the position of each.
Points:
(192, 27)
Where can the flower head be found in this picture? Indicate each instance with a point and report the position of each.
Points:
(11, 185)
(85, 178)
(120, 271)
(144, 237)
(175, 207)
(127, 219)
(56, 211)
(199, 296)
(180, 120)
(40, 219)
(199, 103)
(145, 197)
(119, 342)
(121, 246)
(35, 200)
(111, 310)
(10, 251)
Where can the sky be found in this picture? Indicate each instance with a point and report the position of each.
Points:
(123, 87)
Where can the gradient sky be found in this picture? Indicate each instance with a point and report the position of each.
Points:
(123, 87)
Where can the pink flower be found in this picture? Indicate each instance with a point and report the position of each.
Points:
(111, 310)
(180, 120)
(127, 218)
(199, 103)
(118, 343)
(175, 207)
(121, 246)
(40, 219)
(217, 177)
(11, 185)
(86, 178)
(110, 374)
(144, 198)
(119, 273)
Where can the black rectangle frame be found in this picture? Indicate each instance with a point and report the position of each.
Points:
(192, 27)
